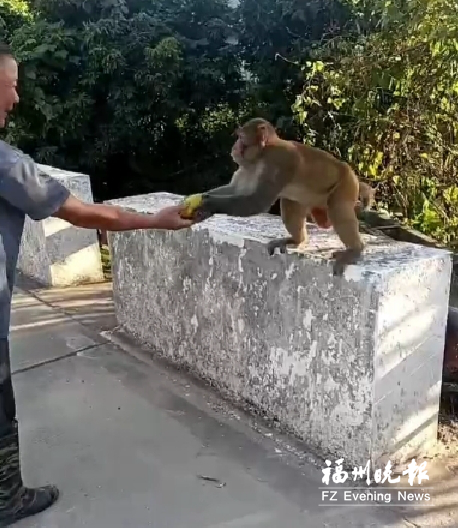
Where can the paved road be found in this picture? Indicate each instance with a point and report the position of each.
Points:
(125, 440)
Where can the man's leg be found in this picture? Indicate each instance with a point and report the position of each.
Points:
(16, 501)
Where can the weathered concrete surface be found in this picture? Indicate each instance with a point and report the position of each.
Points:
(125, 441)
(392, 228)
(56, 253)
(352, 366)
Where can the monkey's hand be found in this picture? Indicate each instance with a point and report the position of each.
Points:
(194, 208)
(344, 258)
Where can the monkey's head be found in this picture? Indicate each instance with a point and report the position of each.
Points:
(252, 137)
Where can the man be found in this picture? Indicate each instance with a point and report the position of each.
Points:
(23, 191)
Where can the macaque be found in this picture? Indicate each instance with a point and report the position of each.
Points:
(308, 181)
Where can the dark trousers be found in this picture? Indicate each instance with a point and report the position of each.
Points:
(10, 465)
(7, 400)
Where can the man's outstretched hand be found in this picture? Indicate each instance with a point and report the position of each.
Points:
(170, 218)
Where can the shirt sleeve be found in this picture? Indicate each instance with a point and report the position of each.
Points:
(34, 193)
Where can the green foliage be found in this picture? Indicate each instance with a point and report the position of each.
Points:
(13, 15)
(275, 36)
(107, 87)
(386, 100)
(144, 96)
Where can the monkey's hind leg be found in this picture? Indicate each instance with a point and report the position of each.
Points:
(346, 225)
(294, 217)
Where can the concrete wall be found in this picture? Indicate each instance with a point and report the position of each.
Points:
(391, 227)
(55, 253)
(352, 366)
(454, 286)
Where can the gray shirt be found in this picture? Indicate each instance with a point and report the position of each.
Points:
(23, 191)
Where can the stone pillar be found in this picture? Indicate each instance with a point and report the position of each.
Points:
(353, 365)
(55, 253)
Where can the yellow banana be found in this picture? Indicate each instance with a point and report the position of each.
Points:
(191, 203)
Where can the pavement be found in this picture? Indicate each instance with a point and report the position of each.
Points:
(127, 438)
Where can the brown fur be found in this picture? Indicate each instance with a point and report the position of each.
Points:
(308, 181)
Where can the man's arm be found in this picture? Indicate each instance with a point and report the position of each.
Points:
(112, 218)
(40, 196)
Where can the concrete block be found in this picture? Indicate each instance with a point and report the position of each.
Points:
(352, 366)
(55, 253)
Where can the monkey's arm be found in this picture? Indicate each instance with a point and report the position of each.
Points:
(232, 202)
(224, 190)
(193, 204)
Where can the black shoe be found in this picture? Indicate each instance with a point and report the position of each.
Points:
(16, 501)
(28, 502)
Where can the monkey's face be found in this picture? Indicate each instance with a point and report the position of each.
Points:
(246, 149)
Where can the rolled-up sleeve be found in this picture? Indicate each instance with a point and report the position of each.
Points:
(34, 193)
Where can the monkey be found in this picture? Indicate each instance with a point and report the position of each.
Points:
(308, 181)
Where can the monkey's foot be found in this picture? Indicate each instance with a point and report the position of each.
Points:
(283, 243)
(344, 258)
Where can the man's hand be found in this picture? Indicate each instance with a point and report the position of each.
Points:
(170, 218)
